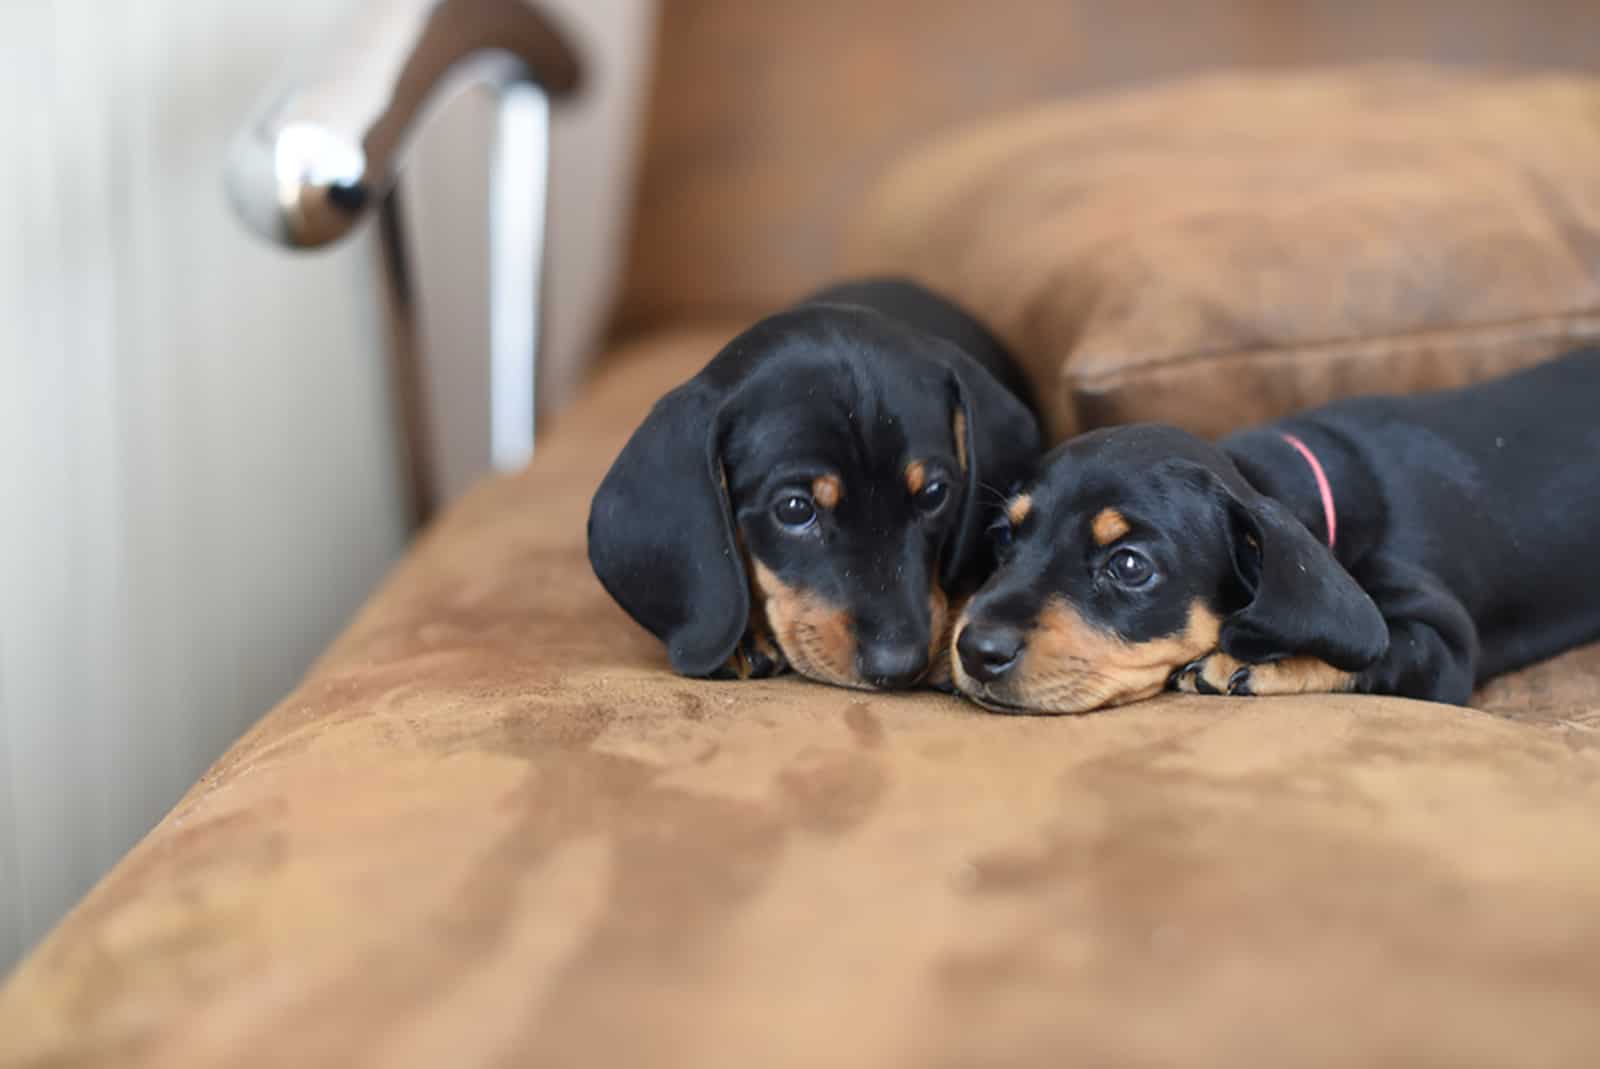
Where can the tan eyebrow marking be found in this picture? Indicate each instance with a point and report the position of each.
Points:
(1019, 508)
(958, 426)
(916, 476)
(826, 490)
(1109, 525)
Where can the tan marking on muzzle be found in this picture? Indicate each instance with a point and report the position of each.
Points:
(826, 490)
(816, 637)
(1071, 666)
(1108, 526)
(1018, 509)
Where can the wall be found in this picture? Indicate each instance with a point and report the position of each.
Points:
(196, 478)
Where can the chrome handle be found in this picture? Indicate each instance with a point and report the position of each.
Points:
(321, 153)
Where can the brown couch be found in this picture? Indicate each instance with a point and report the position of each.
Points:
(491, 827)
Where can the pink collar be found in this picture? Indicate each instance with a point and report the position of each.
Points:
(1322, 482)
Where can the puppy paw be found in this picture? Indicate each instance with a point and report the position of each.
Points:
(756, 657)
(1215, 673)
(1293, 675)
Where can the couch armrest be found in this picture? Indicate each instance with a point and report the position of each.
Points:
(327, 146)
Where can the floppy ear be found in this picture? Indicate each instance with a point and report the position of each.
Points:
(1301, 600)
(661, 535)
(1000, 446)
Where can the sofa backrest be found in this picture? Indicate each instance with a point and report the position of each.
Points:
(770, 119)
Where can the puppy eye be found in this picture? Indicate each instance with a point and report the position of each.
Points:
(795, 511)
(1130, 568)
(931, 498)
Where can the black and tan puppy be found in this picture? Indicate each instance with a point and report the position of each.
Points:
(1413, 546)
(812, 497)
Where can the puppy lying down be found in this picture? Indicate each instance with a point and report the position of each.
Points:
(1413, 546)
(815, 496)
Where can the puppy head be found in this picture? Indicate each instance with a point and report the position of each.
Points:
(1138, 550)
(819, 480)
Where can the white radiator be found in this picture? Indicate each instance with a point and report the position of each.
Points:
(196, 456)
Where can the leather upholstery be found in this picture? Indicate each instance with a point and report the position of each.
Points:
(492, 828)
(1220, 252)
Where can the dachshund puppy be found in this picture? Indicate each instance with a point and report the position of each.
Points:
(1395, 545)
(813, 497)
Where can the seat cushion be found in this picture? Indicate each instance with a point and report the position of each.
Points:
(493, 828)
(1220, 252)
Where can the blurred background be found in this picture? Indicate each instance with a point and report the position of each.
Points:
(200, 477)
(200, 472)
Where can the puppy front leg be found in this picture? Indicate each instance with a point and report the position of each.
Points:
(1218, 673)
(1432, 654)
(1433, 643)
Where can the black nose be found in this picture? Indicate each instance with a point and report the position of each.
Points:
(988, 650)
(892, 665)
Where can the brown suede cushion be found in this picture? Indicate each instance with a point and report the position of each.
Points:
(1221, 252)
(492, 829)
(769, 121)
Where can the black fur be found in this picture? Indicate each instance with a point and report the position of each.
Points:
(1468, 525)
(858, 380)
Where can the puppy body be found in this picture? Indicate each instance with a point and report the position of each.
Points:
(1464, 532)
(811, 497)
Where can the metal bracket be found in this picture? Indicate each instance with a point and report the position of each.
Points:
(324, 150)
